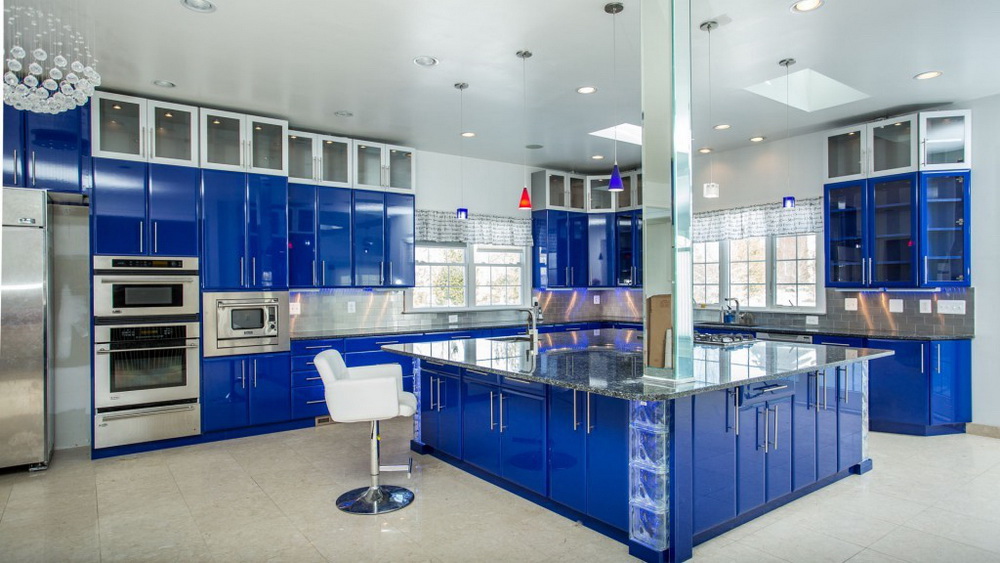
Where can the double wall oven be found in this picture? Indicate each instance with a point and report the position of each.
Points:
(146, 349)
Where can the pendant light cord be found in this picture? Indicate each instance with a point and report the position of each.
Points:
(711, 157)
(461, 141)
(524, 117)
(614, 73)
(788, 107)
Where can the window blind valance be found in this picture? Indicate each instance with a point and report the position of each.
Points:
(758, 220)
(479, 228)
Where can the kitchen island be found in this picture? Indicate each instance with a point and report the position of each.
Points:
(572, 424)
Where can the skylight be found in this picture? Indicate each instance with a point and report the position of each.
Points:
(626, 132)
(808, 91)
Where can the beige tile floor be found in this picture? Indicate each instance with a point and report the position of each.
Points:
(270, 498)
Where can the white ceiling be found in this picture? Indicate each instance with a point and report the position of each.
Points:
(305, 59)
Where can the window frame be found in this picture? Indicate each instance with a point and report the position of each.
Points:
(470, 280)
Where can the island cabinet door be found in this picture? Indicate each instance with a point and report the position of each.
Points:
(714, 458)
(428, 408)
(850, 394)
(269, 377)
(522, 437)
(804, 436)
(606, 420)
(480, 426)
(898, 384)
(950, 381)
(448, 399)
(751, 460)
(778, 447)
(825, 385)
(567, 448)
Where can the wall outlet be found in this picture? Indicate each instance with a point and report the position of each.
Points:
(851, 304)
(812, 320)
(925, 306)
(895, 305)
(352, 307)
(597, 300)
(951, 306)
(452, 318)
(294, 308)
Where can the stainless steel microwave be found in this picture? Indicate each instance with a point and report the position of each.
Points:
(133, 286)
(245, 323)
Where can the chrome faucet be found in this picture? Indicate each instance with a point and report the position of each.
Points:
(728, 309)
(534, 315)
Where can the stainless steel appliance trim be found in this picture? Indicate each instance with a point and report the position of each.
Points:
(147, 279)
(213, 345)
(104, 397)
(189, 265)
(146, 425)
(105, 351)
(102, 333)
(138, 413)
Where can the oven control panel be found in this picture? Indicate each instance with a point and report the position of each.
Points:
(135, 333)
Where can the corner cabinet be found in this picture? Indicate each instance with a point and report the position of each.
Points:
(320, 159)
(384, 236)
(381, 166)
(629, 246)
(130, 128)
(558, 190)
(243, 143)
(560, 240)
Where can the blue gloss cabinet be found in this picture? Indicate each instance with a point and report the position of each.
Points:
(319, 236)
(239, 391)
(714, 458)
(945, 232)
(559, 254)
(144, 209)
(601, 250)
(52, 151)
(13, 147)
(244, 233)
(384, 234)
(441, 409)
(628, 244)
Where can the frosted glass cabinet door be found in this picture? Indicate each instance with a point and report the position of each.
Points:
(223, 141)
(600, 196)
(945, 138)
(577, 193)
(267, 145)
(302, 159)
(626, 199)
(557, 190)
(369, 171)
(119, 127)
(334, 155)
(400, 168)
(892, 146)
(845, 154)
(172, 136)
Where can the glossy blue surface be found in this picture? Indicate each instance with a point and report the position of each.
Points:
(54, 148)
(601, 249)
(118, 207)
(850, 398)
(267, 232)
(804, 432)
(714, 459)
(846, 218)
(172, 226)
(334, 237)
(951, 382)
(779, 451)
(628, 243)
(480, 426)
(607, 460)
(577, 242)
(270, 388)
(13, 147)
(567, 448)
(945, 229)
(550, 263)
(223, 235)
(441, 426)
(224, 394)
(400, 234)
(522, 440)
(893, 230)
(898, 384)
(369, 238)
(302, 244)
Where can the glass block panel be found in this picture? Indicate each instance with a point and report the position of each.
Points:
(648, 527)
(648, 486)
(649, 414)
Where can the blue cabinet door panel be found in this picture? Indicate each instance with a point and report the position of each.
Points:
(448, 399)
(846, 218)
(13, 147)
(607, 461)
(309, 402)
(271, 393)
(750, 460)
(567, 449)
(850, 396)
(577, 249)
(53, 151)
(898, 384)
(224, 394)
(173, 210)
(779, 448)
(714, 474)
(637, 221)
(118, 207)
(950, 385)
(267, 231)
(400, 232)
(522, 437)
(302, 241)
(428, 408)
(334, 240)
(224, 228)
(480, 427)
(804, 431)
(369, 238)
(601, 250)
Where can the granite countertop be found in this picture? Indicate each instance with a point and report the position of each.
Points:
(430, 329)
(856, 333)
(609, 362)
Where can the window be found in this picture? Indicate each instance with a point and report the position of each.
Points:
(748, 271)
(795, 271)
(468, 276)
(706, 273)
(440, 277)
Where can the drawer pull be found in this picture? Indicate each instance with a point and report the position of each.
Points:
(459, 337)
(770, 388)
(318, 347)
(433, 363)
(316, 402)
(521, 381)
(313, 378)
(387, 342)
(478, 372)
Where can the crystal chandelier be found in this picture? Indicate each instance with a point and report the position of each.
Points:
(49, 66)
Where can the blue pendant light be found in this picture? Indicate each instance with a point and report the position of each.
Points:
(614, 8)
(788, 202)
(461, 212)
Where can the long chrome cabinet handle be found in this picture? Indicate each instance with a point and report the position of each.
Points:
(576, 423)
(150, 147)
(925, 269)
(439, 380)
(921, 358)
(15, 167)
(775, 428)
(841, 370)
(253, 269)
(243, 374)
(242, 273)
(142, 143)
(141, 241)
(34, 169)
(430, 382)
(255, 373)
(501, 412)
(324, 272)
(313, 378)
(939, 358)
(767, 416)
(589, 426)
(736, 408)
(156, 236)
(492, 424)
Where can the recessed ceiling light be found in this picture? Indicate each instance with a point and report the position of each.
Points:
(806, 5)
(756, 139)
(425, 61)
(928, 75)
(329, 142)
(586, 90)
(598, 157)
(722, 127)
(216, 122)
(343, 113)
(168, 115)
(468, 134)
(704, 150)
(293, 136)
(164, 83)
(257, 128)
(533, 147)
(203, 6)
(116, 106)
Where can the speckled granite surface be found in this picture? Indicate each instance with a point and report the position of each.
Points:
(609, 362)
(850, 333)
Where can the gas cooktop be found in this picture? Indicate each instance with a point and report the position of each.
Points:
(724, 340)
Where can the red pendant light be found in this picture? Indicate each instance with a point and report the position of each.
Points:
(525, 202)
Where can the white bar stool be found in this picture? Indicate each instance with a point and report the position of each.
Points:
(368, 393)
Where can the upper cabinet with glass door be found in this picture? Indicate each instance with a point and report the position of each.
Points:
(945, 140)
(558, 190)
(384, 167)
(631, 196)
(245, 143)
(130, 128)
(599, 198)
(319, 159)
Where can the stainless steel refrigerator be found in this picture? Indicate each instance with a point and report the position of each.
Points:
(26, 375)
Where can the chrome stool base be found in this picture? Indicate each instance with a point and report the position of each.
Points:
(370, 500)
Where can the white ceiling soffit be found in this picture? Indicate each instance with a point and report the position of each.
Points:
(624, 132)
(807, 90)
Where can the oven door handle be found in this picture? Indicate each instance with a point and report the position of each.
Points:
(164, 410)
(106, 351)
(143, 279)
